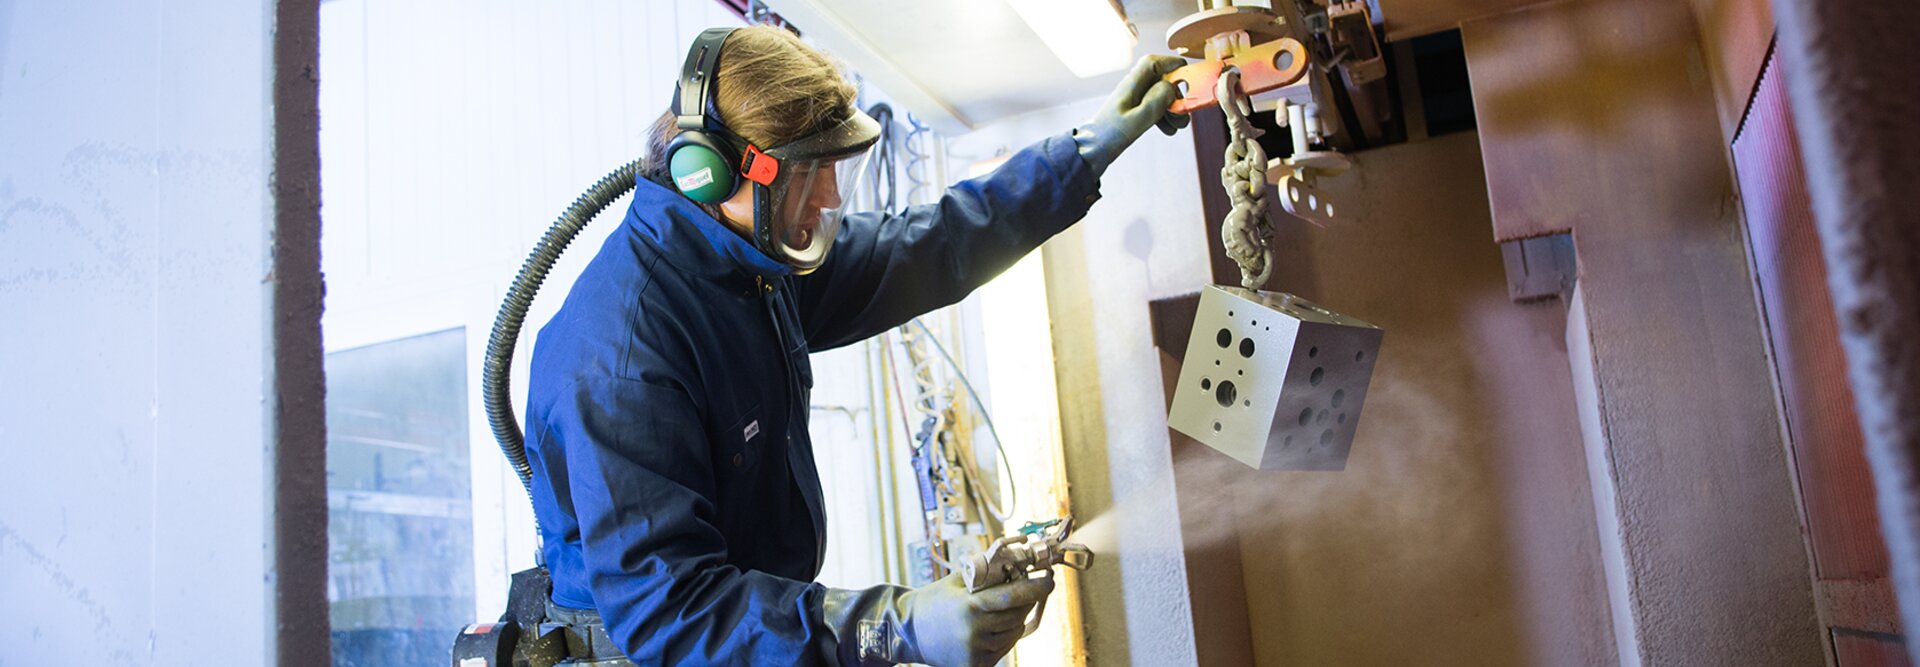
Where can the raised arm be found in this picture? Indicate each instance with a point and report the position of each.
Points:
(885, 270)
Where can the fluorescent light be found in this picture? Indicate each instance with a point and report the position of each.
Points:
(1089, 36)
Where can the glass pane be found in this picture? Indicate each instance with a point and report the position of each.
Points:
(399, 529)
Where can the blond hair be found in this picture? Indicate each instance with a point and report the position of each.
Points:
(771, 89)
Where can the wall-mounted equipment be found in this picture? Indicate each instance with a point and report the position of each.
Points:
(1274, 380)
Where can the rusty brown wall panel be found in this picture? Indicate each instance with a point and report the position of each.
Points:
(1850, 75)
(1412, 18)
(1858, 650)
(1836, 485)
(1461, 531)
(1591, 108)
(1596, 117)
(1736, 35)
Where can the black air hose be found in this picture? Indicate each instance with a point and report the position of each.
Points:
(496, 378)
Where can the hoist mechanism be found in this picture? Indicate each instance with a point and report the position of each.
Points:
(1269, 378)
(1284, 57)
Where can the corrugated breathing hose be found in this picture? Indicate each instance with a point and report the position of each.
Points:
(496, 377)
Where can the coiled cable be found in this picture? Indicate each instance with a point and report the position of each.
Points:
(496, 380)
(918, 182)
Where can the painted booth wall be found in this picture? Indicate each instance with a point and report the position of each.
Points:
(1461, 531)
(136, 503)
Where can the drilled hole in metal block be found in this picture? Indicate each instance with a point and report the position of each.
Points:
(1246, 348)
(1287, 442)
(1342, 419)
(1224, 338)
(1313, 352)
(1359, 356)
(1339, 395)
(1206, 384)
(1320, 418)
(1326, 437)
(1318, 375)
(1226, 394)
(1216, 427)
(1306, 416)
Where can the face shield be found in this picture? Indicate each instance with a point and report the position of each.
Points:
(797, 214)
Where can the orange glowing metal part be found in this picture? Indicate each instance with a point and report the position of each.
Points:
(1263, 67)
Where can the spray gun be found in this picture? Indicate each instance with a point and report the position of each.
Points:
(1035, 549)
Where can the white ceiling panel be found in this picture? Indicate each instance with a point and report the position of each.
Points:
(958, 64)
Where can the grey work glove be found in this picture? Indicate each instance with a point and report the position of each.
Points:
(1141, 101)
(946, 626)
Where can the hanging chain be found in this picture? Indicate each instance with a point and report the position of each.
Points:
(1247, 231)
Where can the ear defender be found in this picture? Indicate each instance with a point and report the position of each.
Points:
(701, 167)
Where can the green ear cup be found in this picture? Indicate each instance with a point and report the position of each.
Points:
(701, 173)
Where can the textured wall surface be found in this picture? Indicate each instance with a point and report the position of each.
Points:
(1598, 117)
(1461, 531)
(134, 365)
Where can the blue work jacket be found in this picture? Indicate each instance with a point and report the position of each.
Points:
(674, 478)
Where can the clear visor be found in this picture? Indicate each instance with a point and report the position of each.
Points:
(810, 205)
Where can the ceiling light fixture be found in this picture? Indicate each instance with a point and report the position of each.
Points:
(1092, 37)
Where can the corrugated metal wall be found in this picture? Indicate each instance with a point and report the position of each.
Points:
(1836, 486)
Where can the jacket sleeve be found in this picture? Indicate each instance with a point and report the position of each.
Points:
(885, 270)
(642, 479)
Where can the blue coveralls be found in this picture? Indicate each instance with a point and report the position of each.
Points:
(674, 477)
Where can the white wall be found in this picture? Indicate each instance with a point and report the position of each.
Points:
(1143, 240)
(134, 274)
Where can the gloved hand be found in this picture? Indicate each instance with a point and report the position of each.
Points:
(1140, 102)
(946, 626)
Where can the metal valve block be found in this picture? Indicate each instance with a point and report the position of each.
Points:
(1274, 380)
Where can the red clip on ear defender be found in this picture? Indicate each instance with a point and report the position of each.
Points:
(759, 167)
(702, 160)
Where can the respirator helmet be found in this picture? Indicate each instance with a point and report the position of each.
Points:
(800, 187)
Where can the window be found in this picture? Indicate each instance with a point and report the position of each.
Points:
(400, 533)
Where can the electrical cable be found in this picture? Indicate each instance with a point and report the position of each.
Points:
(1013, 489)
(883, 162)
(496, 383)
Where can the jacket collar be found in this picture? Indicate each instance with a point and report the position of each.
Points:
(695, 243)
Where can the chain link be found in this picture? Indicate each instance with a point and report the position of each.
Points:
(1247, 231)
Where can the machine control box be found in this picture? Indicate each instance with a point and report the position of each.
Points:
(1274, 380)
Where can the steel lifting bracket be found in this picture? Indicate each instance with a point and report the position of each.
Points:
(1253, 39)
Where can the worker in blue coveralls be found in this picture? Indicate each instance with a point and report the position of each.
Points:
(674, 479)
